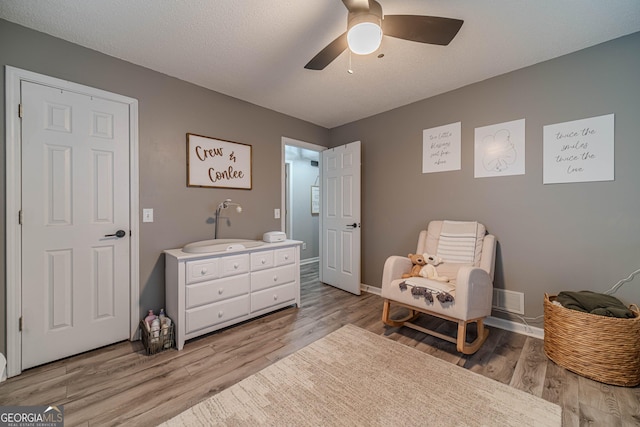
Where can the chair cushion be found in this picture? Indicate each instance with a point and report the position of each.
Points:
(458, 242)
(450, 270)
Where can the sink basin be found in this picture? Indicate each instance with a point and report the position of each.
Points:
(220, 245)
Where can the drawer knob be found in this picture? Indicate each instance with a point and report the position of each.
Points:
(275, 278)
(275, 297)
(220, 291)
(235, 266)
(203, 271)
(220, 313)
(286, 257)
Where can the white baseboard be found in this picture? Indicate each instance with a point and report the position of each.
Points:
(496, 322)
(309, 260)
(520, 328)
(370, 289)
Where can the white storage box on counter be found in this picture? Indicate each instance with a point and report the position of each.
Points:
(274, 236)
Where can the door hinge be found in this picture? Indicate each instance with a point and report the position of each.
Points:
(20, 110)
(20, 324)
(20, 217)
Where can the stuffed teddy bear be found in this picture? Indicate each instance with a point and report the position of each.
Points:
(429, 269)
(418, 262)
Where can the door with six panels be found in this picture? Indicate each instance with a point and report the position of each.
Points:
(75, 223)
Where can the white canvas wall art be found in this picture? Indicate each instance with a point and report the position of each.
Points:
(499, 149)
(441, 148)
(579, 151)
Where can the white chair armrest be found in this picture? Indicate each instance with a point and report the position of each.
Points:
(474, 292)
(488, 258)
(394, 267)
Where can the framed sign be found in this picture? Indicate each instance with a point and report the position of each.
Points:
(215, 162)
(315, 200)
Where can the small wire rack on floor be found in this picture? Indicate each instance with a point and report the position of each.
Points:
(157, 341)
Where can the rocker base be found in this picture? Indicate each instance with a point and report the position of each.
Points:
(460, 341)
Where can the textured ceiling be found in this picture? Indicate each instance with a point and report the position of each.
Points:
(255, 50)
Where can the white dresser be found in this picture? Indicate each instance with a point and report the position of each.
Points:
(207, 292)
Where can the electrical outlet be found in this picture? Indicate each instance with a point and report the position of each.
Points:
(304, 245)
(276, 213)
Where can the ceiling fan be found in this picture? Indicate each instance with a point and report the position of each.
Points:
(366, 25)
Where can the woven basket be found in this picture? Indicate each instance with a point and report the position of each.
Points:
(605, 349)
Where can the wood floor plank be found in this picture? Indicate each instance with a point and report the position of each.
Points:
(97, 388)
(554, 383)
(190, 397)
(531, 368)
(10, 389)
(109, 410)
(501, 363)
(590, 416)
(477, 361)
(629, 400)
(571, 400)
(600, 396)
(121, 385)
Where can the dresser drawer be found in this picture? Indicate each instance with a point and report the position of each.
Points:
(216, 290)
(273, 296)
(261, 260)
(285, 256)
(232, 265)
(220, 312)
(198, 271)
(272, 277)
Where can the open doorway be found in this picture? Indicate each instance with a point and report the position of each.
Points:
(301, 185)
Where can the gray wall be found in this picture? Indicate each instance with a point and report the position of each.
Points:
(305, 226)
(551, 237)
(168, 109)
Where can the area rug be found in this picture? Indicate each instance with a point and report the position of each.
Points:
(353, 377)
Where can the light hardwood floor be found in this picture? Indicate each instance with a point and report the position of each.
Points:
(121, 385)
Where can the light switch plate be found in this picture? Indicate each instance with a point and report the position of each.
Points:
(276, 213)
(147, 215)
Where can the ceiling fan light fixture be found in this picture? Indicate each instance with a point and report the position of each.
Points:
(365, 34)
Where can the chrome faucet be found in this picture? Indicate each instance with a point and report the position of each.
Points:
(224, 205)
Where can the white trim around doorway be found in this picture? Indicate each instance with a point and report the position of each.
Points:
(13, 243)
(296, 143)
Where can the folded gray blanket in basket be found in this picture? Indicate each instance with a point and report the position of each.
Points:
(594, 303)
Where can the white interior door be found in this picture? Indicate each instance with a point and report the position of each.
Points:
(340, 189)
(75, 198)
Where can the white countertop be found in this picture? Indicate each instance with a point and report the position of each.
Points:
(180, 255)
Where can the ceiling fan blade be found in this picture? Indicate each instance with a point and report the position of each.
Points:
(423, 29)
(328, 54)
(356, 5)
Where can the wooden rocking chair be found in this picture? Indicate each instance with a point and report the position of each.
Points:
(468, 253)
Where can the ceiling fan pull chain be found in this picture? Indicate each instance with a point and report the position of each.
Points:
(350, 70)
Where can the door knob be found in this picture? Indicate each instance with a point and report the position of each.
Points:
(118, 234)
(354, 225)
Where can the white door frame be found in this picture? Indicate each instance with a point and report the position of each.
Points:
(296, 143)
(13, 172)
(288, 210)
